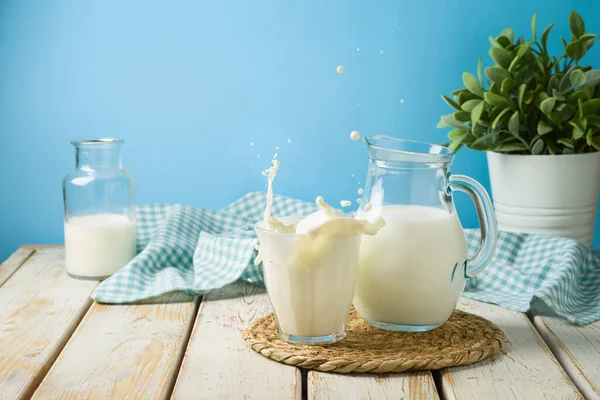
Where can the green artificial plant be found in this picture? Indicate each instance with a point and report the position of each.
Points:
(534, 103)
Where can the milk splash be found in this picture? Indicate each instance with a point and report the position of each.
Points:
(326, 221)
(270, 173)
(311, 268)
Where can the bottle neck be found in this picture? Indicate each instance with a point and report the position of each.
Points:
(98, 156)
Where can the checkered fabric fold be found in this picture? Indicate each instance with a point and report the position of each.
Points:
(183, 248)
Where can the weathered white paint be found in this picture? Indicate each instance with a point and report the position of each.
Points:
(40, 307)
(408, 386)
(13, 263)
(134, 351)
(120, 352)
(218, 363)
(577, 348)
(524, 369)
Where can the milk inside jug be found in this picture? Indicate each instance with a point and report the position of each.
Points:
(413, 271)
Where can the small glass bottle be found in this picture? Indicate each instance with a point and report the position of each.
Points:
(99, 211)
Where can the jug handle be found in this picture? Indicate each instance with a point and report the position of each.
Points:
(487, 222)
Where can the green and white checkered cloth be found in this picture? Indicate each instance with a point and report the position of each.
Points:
(183, 248)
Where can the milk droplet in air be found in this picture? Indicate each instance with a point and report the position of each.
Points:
(360, 191)
(358, 201)
(289, 140)
(353, 175)
(401, 100)
(275, 155)
(340, 69)
(251, 143)
(380, 51)
(358, 49)
(276, 147)
(345, 203)
(354, 135)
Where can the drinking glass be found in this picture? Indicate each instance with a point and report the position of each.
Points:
(310, 283)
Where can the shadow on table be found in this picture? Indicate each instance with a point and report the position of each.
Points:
(235, 290)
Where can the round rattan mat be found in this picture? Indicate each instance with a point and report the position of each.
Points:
(464, 339)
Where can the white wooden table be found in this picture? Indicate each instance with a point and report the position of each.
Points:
(56, 343)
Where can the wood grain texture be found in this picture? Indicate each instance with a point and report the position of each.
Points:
(577, 348)
(13, 263)
(524, 369)
(408, 386)
(120, 352)
(40, 307)
(219, 365)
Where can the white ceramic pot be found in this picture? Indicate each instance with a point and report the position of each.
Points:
(551, 195)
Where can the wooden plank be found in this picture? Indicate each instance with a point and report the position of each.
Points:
(524, 369)
(40, 307)
(417, 385)
(577, 348)
(119, 352)
(219, 365)
(13, 263)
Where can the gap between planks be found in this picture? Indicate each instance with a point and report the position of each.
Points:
(417, 385)
(42, 374)
(184, 345)
(124, 351)
(26, 254)
(525, 368)
(14, 262)
(219, 365)
(41, 307)
(577, 348)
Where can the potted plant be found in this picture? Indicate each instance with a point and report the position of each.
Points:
(538, 119)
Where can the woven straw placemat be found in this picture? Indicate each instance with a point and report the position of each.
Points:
(464, 339)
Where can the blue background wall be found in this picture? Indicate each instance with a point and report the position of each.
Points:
(189, 84)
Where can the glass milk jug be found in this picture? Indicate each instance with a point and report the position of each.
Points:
(412, 273)
(99, 211)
